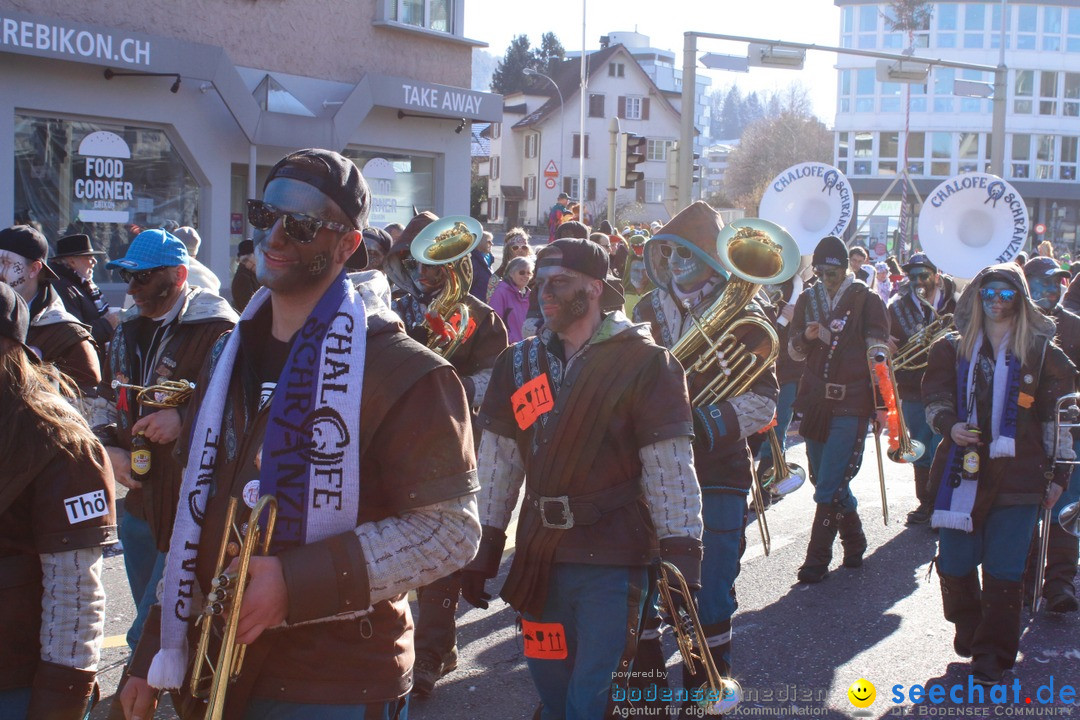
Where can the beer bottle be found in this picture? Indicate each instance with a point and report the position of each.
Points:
(140, 455)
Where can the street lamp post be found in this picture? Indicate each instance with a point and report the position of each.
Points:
(562, 125)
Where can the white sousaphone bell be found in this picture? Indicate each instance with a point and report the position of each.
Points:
(810, 200)
(970, 221)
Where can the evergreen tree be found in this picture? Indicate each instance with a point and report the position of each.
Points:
(508, 77)
(731, 123)
(752, 110)
(549, 55)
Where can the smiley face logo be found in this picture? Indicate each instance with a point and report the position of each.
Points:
(861, 694)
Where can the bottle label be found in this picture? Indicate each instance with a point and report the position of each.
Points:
(971, 462)
(140, 461)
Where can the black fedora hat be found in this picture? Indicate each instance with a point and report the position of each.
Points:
(75, 246)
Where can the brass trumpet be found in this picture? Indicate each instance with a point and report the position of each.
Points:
(209, 679)
(720, 693)
(166, 394)
(915, 353)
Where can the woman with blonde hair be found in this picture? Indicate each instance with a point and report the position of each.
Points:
(56, 514)
(515, 244)
(990, 392)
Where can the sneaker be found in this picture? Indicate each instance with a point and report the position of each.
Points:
(920, 515)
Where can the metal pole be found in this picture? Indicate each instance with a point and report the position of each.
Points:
(582, 98)
(562, 120)
(686, 137)
(997, 126)
(613, 170)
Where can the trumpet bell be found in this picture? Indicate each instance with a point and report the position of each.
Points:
(811, 200)
(787, 485)
(1069, 519)
(970, 221)
(758, 251)
(446, 240)
(918, 449)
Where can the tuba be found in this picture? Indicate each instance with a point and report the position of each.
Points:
(210, 677)
(811, 200)
(720, 694)
(756, 252)
(449, 242)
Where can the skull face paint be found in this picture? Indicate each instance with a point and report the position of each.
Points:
(14, 268)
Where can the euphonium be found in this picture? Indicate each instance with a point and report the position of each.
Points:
(915, 353)
(756, 252)
(448, 242)
(166, 394)
(210, 679)
(720, 693)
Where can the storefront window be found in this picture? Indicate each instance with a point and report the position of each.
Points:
(107, 181)
(398, 184)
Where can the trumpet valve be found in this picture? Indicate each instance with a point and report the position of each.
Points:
(214, 608)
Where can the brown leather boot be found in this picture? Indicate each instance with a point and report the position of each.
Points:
(921, 515)
(853, 539)
(961, 599)
(819, 552)
(997, 638)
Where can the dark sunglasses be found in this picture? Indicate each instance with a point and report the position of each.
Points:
(1005, 294)
(140, 277)
(919, 276)
(298, 226)
(828, 272)
(682, 251)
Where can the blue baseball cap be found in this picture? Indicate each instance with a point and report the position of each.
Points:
(152, 249)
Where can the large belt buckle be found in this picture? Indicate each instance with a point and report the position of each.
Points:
(835, 391)
(563, 503)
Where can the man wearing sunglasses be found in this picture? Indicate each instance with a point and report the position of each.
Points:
(166, 335)
(436, 630)
(929, 295)
(321, 400)
(834, 324)
(1045, 278)
(681, 260)
(55, 335)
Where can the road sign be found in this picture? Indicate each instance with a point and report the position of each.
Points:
(552, 170)
(1039, 228)
(549, 183)
(735, 63)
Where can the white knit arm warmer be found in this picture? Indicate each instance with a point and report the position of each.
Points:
(754, 412)
(671, 488)
(419, 546)
(72, 608)
(501, 472)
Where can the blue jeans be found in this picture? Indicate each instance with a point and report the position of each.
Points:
(724, 513)
(919, 429)
(265, 709)
(836, 461)
(144, 566)
(785, 409)
(599, 607)
(1000, 544)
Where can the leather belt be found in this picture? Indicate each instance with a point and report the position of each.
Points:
(562, 512)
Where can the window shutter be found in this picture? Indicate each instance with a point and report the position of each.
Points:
(576, 152)
(590, 185)
(586, 147)
(645, 108)
(622, 107)
(566, 185)
(639, 188)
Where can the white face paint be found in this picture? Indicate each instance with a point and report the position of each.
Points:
(14, 269)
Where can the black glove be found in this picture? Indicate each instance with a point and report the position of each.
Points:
(483, 567)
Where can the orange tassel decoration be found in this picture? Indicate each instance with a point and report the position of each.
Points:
(888, 396)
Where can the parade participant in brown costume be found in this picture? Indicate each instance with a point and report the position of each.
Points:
(834, 324)
(320, 400)
(593, 416)
(74, 263)
(56, 514)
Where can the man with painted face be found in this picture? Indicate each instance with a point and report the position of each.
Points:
(835, 323)
(1045, 278)
(55, 334)
(436, 629)
(593, 416)
(681, 260)
(929, 294)
(321, 400)
(165, 335)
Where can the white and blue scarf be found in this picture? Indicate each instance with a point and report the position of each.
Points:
(956, 495)
(310, 463)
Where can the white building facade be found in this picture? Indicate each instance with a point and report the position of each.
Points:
(537, 150)
(949, 134)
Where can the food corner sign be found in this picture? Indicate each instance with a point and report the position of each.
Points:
(101, 192)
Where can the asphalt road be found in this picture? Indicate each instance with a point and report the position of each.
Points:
(797, 648)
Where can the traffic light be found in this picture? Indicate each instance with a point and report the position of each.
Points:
(632, 152)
